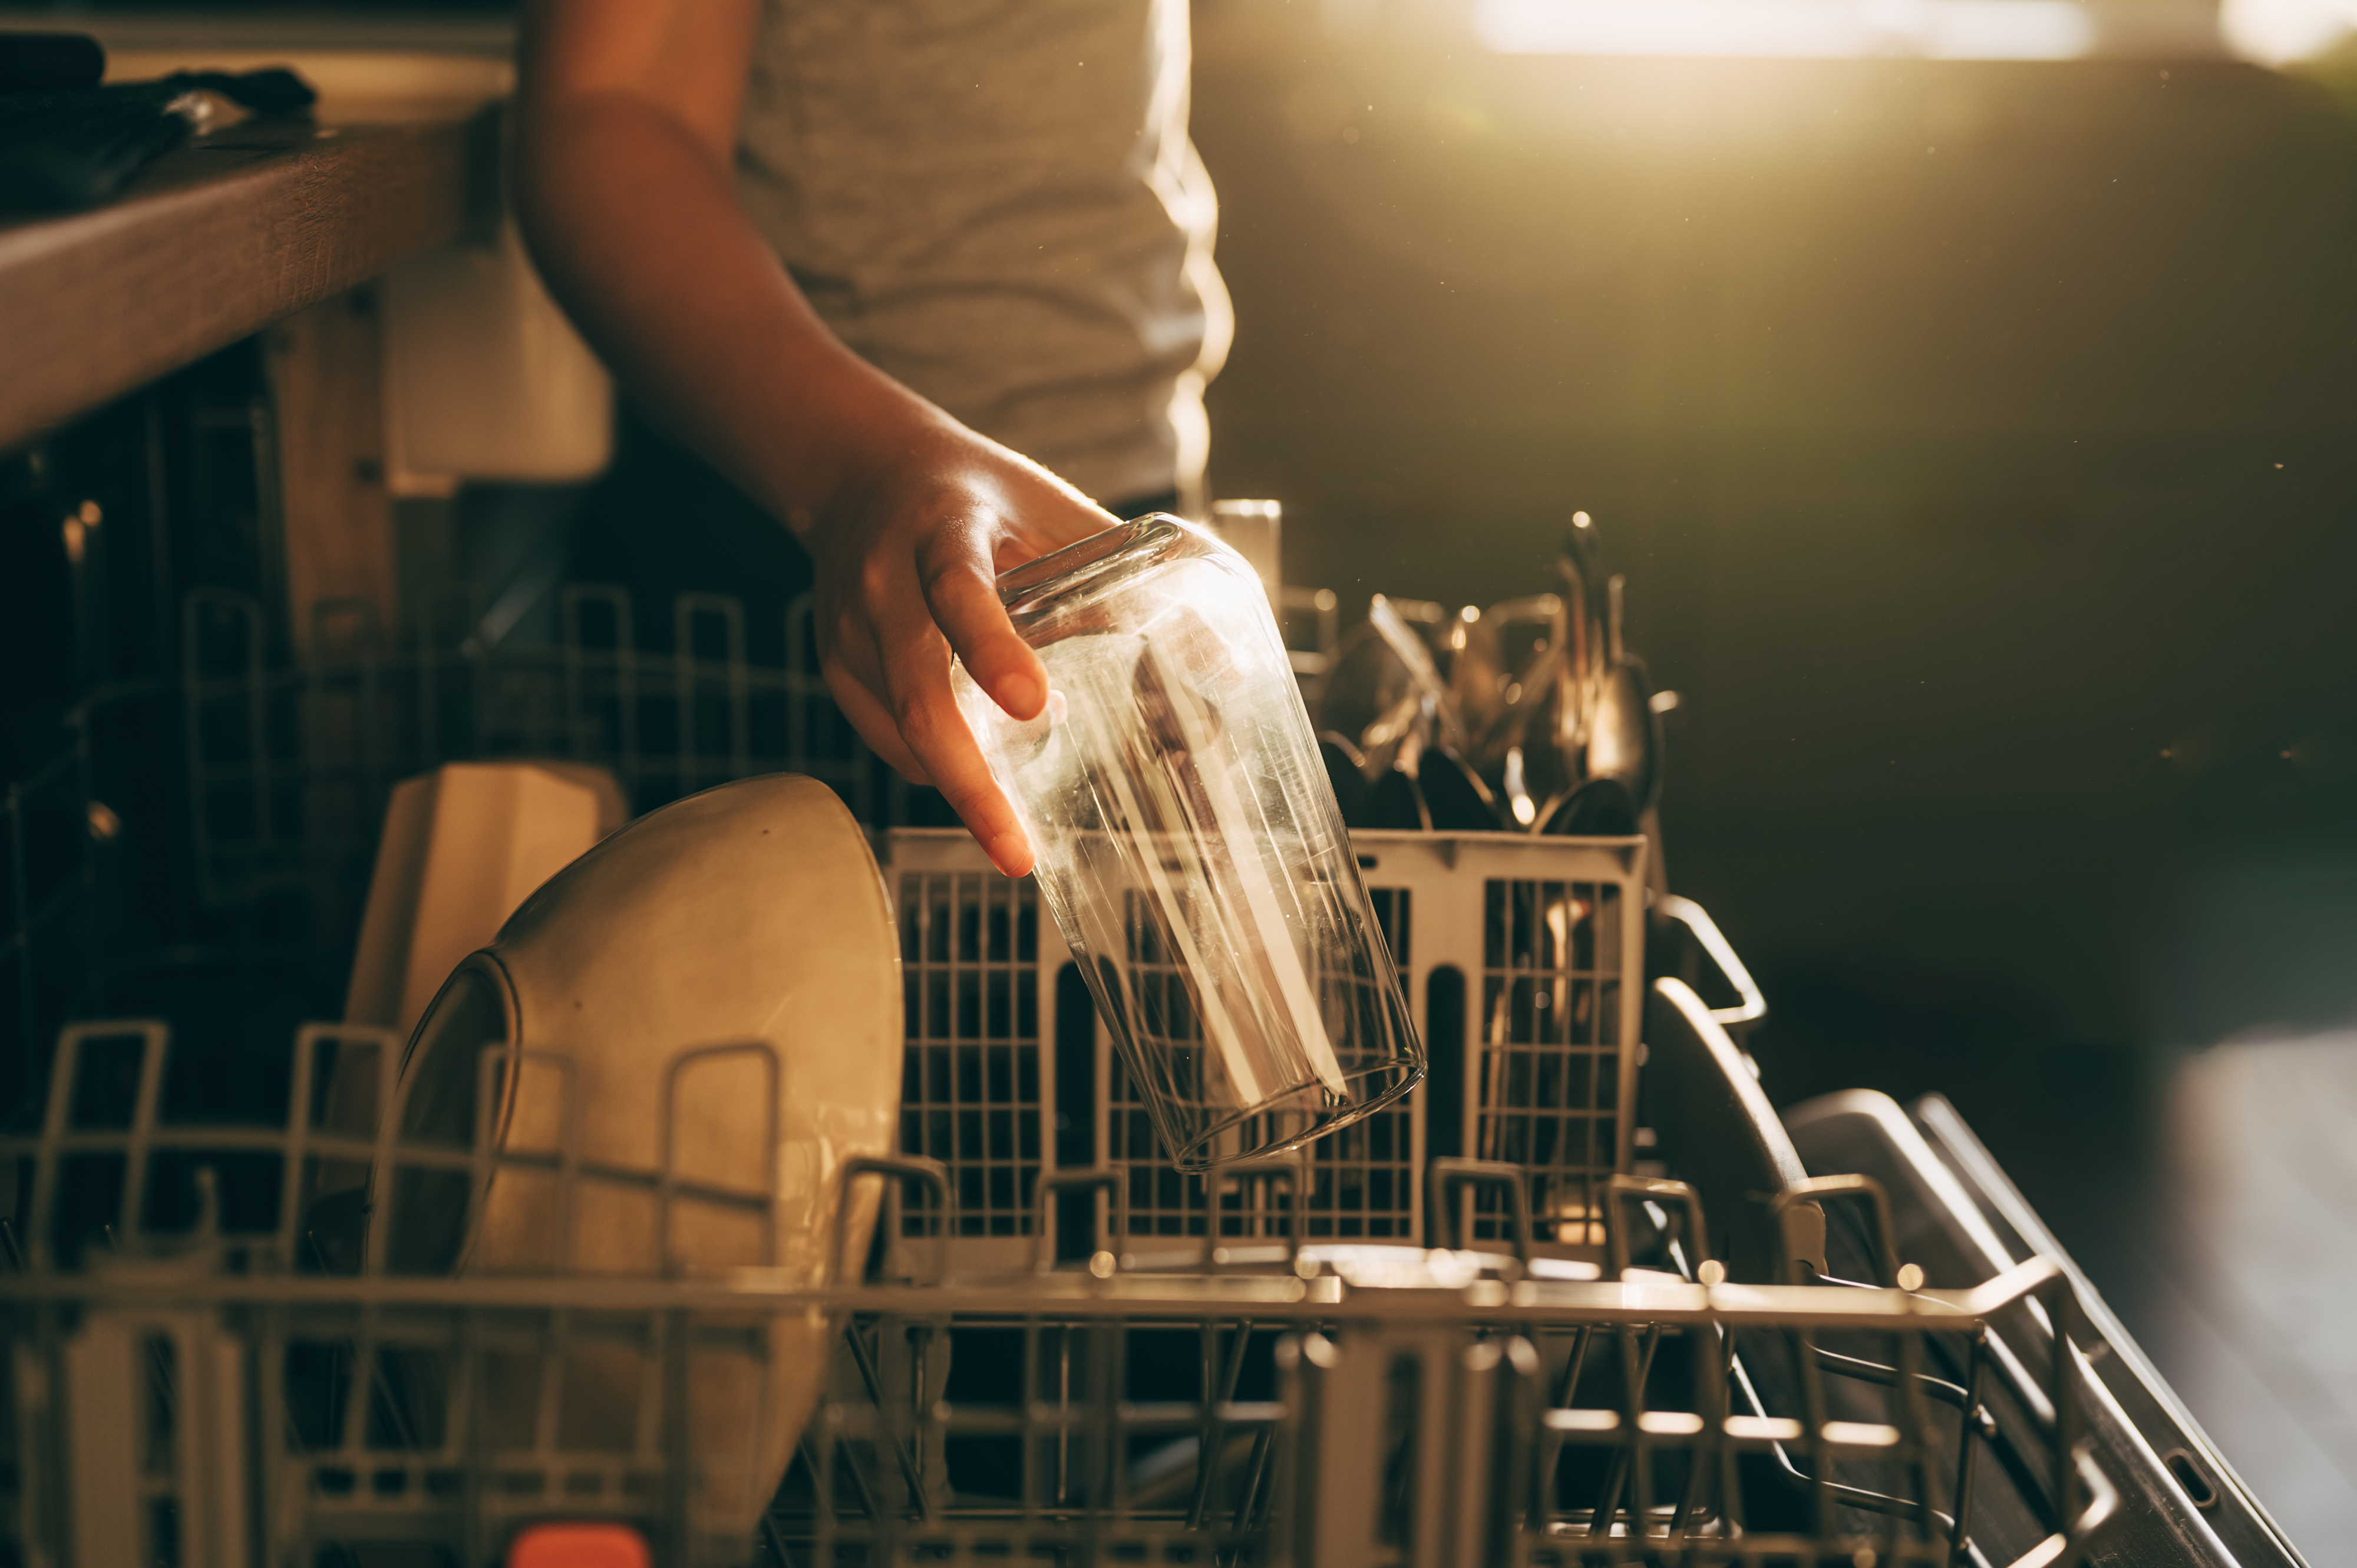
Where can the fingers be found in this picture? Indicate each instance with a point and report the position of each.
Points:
(917, 677)
(954, 572)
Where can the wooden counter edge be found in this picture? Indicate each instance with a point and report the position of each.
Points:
(95, 304)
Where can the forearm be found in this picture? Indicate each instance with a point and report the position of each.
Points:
(642, 239)
(626, 116)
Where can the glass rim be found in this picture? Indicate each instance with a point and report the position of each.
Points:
(1410, 1066)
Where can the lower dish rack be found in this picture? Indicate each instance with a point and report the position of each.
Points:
(186, 1385)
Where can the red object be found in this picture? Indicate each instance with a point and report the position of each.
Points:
(579, 1545)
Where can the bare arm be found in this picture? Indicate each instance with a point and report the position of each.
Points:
(625, 147)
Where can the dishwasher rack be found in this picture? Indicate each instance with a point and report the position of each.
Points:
(191, 1381)
(210, 841)
(196, 858)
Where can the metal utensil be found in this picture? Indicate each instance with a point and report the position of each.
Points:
(1527, 633)
(1476, 669)
(1362, 694)
(1439, 712)
(1346, 771)
(1600, 808)
(1455, 799)
(1624, 733)
(1523, 759)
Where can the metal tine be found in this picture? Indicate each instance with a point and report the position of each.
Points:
(1629, 1454)
(1710, 1403)
(1291, 1169)
(1548, 1459)
(676, 1348)
(1253, 1505)
(1215, 1431)
(1859, 1368)
(1573, 1365)
(464, 1394)
(1051, 1183)
(823, 1477)
(2062, 1310)
(310, 1041)
(1630, 1467)
(291, 1184)
(64, 1065)
(1067, 1486)
(1026, 1422)
(653, 1398)
(1969, 1438)
(868, 1374)
(1449, 1180)
(844, 1458)
(1108, 1366)
(1917, 1428)
(776, 1541)
(896, 1171)
(667, 1174)
(1812, 1405)
(391, 1099)
(1722, 1405)
(1867, 1190)
(156, 1047)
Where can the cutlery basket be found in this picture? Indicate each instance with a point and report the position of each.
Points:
(1523, 959)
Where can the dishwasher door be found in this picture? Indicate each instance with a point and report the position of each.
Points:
(1956, 1215)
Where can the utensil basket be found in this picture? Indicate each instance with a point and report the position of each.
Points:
(1523, 960)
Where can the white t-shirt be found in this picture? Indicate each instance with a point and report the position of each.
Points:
(995, 202)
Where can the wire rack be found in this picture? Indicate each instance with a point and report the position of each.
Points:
(204, 1370)
(244, 796)
(234, 803)
(1524, 961)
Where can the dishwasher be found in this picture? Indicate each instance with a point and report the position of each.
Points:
(1584, 1297)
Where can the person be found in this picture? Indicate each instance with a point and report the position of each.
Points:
(923, 278)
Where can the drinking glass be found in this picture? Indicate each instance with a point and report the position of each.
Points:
(1189, 845)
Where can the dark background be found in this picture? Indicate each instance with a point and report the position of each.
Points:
(1979, 439)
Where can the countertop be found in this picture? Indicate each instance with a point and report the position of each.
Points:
(245, 227)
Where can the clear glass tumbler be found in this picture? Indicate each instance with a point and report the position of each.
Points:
(1189, 847)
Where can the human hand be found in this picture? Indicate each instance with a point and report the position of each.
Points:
(905, 560)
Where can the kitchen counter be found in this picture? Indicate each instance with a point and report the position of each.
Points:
(218, 239)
